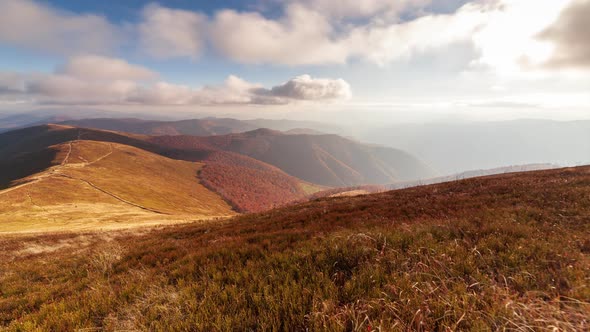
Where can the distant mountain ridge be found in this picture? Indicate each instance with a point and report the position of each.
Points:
(194, 127)
(198, 127)
(328, 160)
(308, 154)
(247, 184)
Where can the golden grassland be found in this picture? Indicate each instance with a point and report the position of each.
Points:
(107, 185)
(509, 252)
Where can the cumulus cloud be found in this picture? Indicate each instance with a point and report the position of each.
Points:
(93, 67)
(384, 44)
(28, 24)
(570, 33)
(305, 87)
(79, 81)
(302, 36)
(307, 34)
(312, 32)
(317, 32)
(168, 33)
(63, 89)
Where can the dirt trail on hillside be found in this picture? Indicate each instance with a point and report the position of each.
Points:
(111, 194)
(56, 171)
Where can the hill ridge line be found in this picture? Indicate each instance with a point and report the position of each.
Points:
(55, 172)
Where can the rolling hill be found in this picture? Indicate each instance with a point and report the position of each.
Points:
(98, 185)
(505, 252)
(328, 160)
(194, 127)
(247, 184)
(253, 171)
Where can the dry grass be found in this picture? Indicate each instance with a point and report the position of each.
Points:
(108, 185)
(507, 252)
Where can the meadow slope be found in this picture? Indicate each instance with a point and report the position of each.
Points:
(97, 185)
(501, 252)
(247, 184)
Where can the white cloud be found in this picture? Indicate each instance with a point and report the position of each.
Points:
(384, 44)
(63, 89)
(305, 87)
(507, 39)
(503, 32)
(28, 24)
(302, 36)
(93, 67)
(307, 34)
(168, 33)
(235, 90)
(81, 82)
(11, 83)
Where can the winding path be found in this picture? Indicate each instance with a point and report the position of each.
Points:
(56, 171)
(111, 194)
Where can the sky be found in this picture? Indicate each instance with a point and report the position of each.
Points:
(340, 60)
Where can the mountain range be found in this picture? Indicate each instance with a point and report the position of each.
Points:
(251, 171)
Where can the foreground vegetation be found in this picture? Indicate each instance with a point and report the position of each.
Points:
(503, 252)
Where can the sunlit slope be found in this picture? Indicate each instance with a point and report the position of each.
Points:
(248, 184)
(102, 184)
(508, 252)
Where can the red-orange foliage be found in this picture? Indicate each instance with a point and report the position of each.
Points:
(247, 184)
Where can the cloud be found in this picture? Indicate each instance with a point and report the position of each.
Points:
(503, 33)
(233, 91)
(11, 83)
(63, 89)
(507, 39)
(31, 25)
(93, 67)
(81, 82)
(305, 87)
(236, 91)
(570, 33)
(320, 32)
(169, 33)
(302, 36)
(384, 44)
(308, 34)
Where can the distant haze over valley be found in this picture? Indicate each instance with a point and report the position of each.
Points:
(446, 148)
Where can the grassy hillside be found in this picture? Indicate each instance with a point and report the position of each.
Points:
(248, 184)
(503, 252)
(102, 185)
(328, 160)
